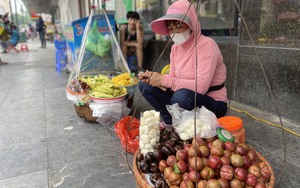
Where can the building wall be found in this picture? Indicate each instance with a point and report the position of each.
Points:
(282, 69)
(4, 6)
(69, 11)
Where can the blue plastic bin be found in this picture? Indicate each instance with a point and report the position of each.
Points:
(60, 59)
(60, 44)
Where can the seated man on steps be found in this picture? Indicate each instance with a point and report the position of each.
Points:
(132, 38)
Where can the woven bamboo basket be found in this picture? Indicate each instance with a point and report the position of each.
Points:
(272, 178)
(85, 113)
(141, 182)
(139, 176)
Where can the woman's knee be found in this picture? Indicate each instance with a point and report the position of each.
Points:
(184, 98)
(139, 49)
(143, 87)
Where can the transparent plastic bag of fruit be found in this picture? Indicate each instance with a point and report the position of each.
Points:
(184, 122)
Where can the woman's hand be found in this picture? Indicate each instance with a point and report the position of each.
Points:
(152, 78)
(155, 79)
(143, 77)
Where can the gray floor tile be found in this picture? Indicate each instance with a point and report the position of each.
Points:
(101, 171)
(19, 116)
(25, 132)
(23, 158)
(69, 148)
(33, 180)
(15, 93)
(289, 173)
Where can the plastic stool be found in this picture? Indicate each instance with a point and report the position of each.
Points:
(60, 59)
(12, 47)
(23, 47)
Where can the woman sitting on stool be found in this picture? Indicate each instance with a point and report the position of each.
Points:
(14, 39)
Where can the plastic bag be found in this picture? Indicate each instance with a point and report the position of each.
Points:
(183, 122)
(109, 113)
(127, 129)
(97, 43)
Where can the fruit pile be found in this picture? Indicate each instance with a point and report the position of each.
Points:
(79, 87)
(101, 86)
(107, 90)
(94, 81)
(125, 79)
(209, 163)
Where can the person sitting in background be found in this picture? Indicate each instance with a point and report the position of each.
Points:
(5, 31)
(187, 58)
(132, 37)
(14, 39)
(4, 37)
(4, 34)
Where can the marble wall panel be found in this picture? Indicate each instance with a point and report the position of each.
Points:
(282, 70)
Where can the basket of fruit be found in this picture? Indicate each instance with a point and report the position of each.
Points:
(129, 81)
(78, 92)
(108, 93)
(205, 162)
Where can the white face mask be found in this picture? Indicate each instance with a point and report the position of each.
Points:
(180, 38)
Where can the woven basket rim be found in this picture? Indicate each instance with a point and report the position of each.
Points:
(272, 178)
(76, 93)
(140, 179)
(85, 112)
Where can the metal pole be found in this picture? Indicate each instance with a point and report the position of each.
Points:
(133, 5)
(22, 14)
(11, 11)
(16, 14)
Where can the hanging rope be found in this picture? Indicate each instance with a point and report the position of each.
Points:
(270, 89)
(196, 81)
(116, 42)
(84, 38)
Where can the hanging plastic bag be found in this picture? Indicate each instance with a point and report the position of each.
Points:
(109, 113)
(97, 43)
(183, 122)
(127, 129)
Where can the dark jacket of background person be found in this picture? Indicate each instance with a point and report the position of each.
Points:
(40, 27)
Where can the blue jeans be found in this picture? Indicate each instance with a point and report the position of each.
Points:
(42, 38)
(184, 97)
(3, 46)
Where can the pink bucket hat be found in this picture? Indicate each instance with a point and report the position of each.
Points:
(159, 25)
